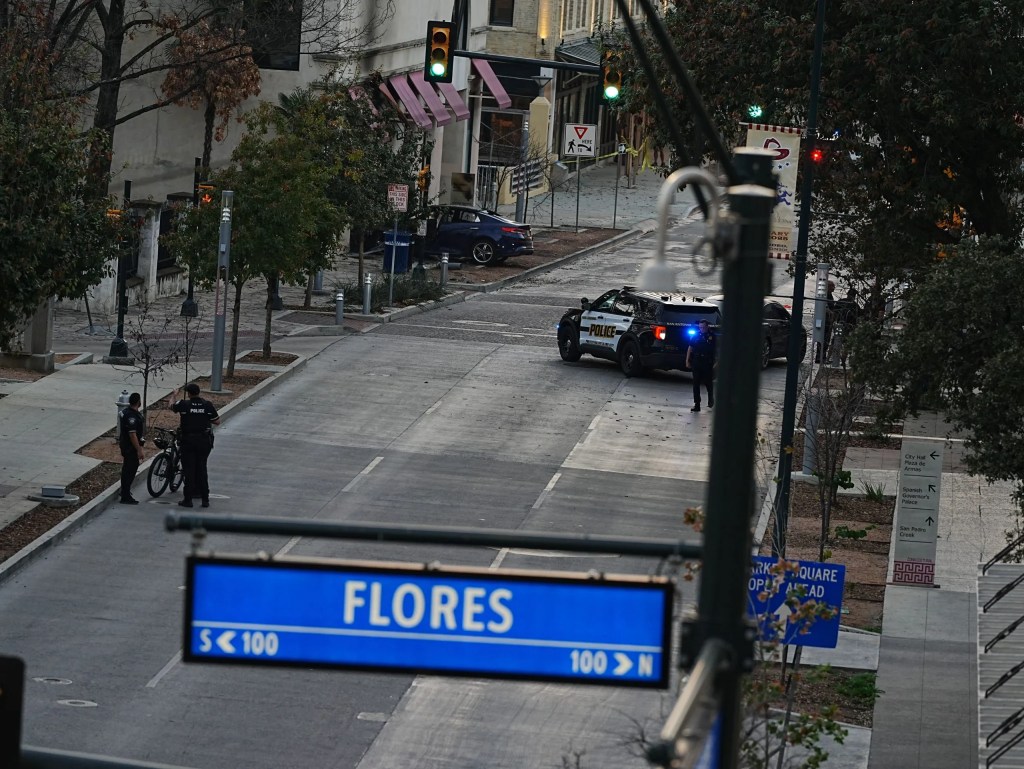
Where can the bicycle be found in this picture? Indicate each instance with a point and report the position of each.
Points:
(166, 468)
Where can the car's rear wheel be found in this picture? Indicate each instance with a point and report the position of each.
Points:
(483, 251)
(569, 343)
(766, 353)
(629, 358)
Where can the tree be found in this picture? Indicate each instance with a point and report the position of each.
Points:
(905, 155)
(216, 83)
(95, 46)
(280, 205)
(960, 350)
(56, 238)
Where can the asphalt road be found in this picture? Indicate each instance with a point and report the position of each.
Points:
(463, 416)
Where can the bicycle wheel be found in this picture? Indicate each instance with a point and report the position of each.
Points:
(159, 474)
(179, 474)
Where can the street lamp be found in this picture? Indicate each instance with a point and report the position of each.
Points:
(118, 347)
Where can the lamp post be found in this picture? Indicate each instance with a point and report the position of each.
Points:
(799, 276)
(118, 347)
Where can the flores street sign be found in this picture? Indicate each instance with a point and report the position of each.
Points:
(778, 619)
(917, 513)
(544, 626)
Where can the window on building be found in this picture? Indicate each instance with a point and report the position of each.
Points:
(502, 12)
(274, 30)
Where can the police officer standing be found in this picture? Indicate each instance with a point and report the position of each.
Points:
(197, 417)
(701, 356)
(130, 439)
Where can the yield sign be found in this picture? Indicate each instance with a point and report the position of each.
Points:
(579, 140)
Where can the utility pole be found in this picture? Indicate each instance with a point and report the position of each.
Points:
(782, 490)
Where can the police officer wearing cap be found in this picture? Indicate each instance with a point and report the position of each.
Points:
(197, 417)
(130, 439)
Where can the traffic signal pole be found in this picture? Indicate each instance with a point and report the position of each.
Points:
(782, 491)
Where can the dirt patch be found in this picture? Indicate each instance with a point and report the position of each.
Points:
(19, 374)
(275, 358)
(851, 693)
(549, 244)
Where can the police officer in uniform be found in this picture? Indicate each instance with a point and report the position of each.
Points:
(130, 439)
(197, 417)
(701, 357)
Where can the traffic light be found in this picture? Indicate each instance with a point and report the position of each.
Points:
(817, 155)
(423, 179)
(611, 72)
(204, 193)
(755, 111)
(438, 65)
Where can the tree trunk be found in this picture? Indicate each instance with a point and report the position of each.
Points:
(308, 301)
(268, 315)
(107, 95)
(209, 116)
(237, 310)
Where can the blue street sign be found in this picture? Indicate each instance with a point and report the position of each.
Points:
(777, 617)
(519, 625)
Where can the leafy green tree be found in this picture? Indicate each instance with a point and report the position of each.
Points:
(961, 350)
(55, 237)
(280, 205)
(907, 90)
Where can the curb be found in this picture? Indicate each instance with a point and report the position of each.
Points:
(104, 499)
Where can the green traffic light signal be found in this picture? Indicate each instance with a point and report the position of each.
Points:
(755, 111)
(611, 72)
(438, 64)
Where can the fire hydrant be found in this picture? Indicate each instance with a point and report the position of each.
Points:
(122, 404)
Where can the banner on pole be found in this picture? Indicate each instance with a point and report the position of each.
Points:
(784, 141)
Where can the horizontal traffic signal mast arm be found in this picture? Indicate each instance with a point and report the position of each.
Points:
(590, 69)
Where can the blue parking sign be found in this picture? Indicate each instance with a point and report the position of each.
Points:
(777, 611)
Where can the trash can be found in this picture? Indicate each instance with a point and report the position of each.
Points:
(400, 249)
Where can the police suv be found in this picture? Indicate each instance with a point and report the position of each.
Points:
(637, 329)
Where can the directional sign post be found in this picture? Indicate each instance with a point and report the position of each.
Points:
(770, 608)
(917, 513)
(517, 625)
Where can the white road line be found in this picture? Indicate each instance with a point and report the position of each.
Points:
(547, 490)
(362, 474)
(473, 330)
(164, 670)
(433, 408)
(499, 558)
(288, 545)
(481, 323)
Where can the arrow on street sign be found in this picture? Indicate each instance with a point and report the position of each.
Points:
(929, 520)
(625, 663)
(932, 488)
(935, 455)
(224, 641)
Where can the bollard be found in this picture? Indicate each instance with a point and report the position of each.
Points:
(367, 291)
(339, 308)
(122, 404)
(444, 269)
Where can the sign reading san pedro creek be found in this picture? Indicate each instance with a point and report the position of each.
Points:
(549, 626)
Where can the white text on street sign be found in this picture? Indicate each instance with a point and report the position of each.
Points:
(917, 513)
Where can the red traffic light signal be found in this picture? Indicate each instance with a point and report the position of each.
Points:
(438, 65)
(817, 155)
(204, 193)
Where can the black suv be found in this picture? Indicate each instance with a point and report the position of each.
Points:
(637, 329)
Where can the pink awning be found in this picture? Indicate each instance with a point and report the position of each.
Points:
(455, 101)
(434, 103)
(493, 83)
(412, 104)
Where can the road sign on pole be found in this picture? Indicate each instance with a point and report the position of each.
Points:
(544, 626)
(917, 513)
(398, 197)
(776, 610)
(580, 140)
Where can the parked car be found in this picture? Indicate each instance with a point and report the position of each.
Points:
(775, 324)
(637, 329)
(477, 235)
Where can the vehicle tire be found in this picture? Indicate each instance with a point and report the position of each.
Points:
(159, 474)
(569, 343)
(483, 252)
(629, 358)
(179, 474)
(766, 353)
